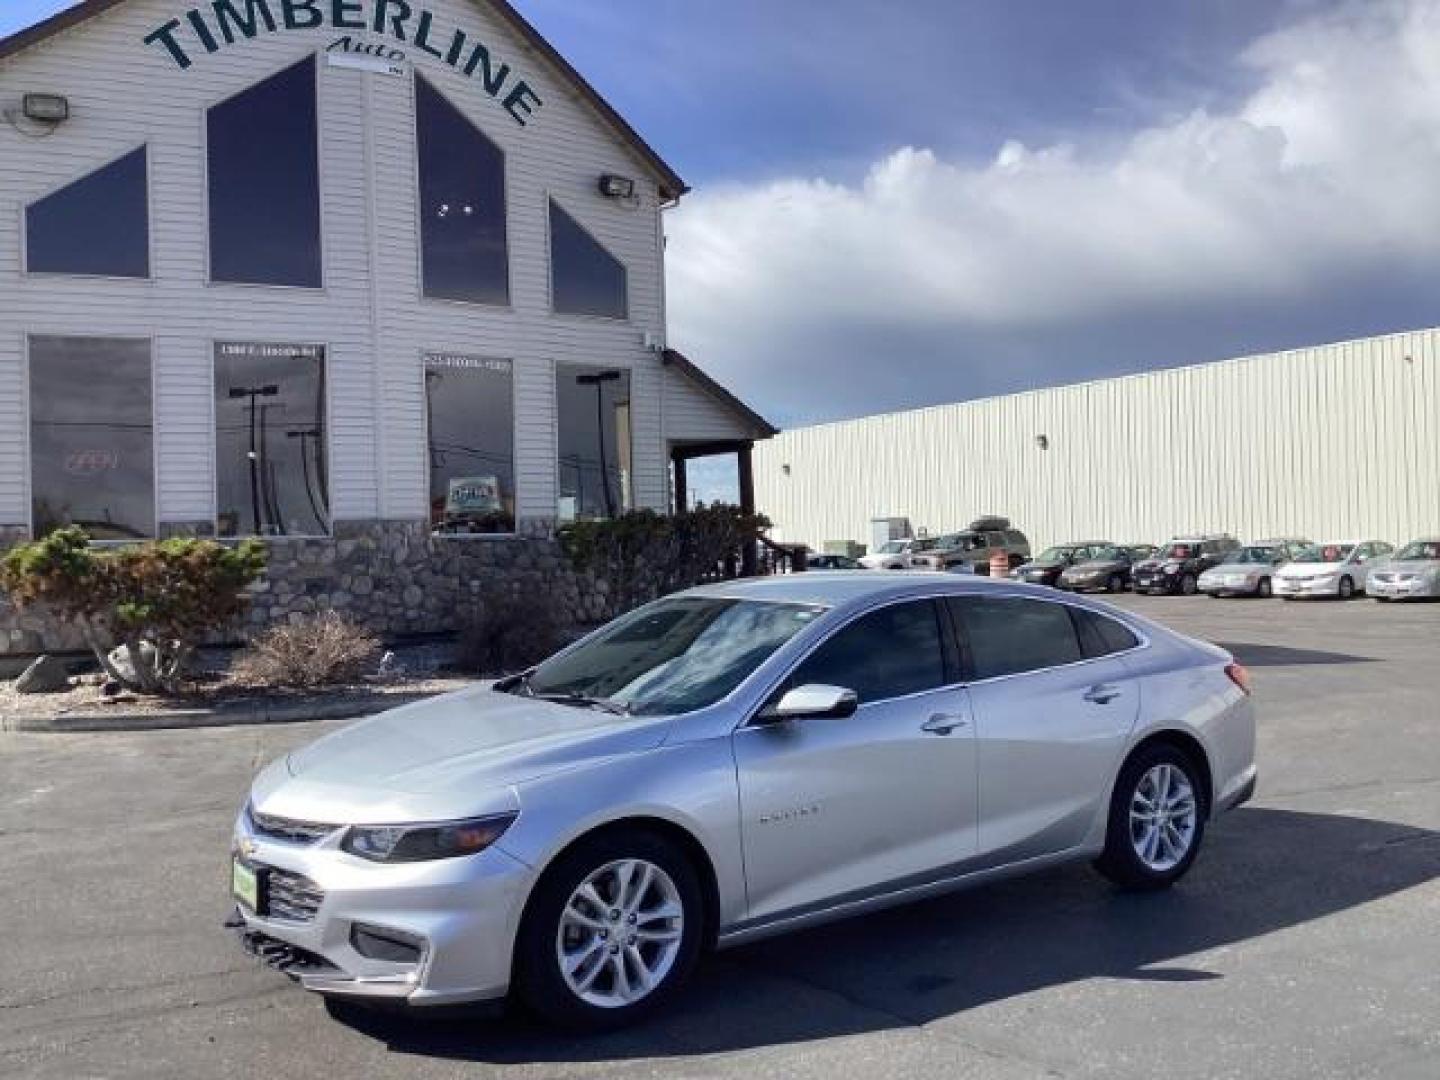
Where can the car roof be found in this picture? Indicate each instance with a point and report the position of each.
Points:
(834, 589)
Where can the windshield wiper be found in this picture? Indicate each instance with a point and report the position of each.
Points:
(614, 708)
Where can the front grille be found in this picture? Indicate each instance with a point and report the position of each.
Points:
(288, 830)
(282, 956)
(292, 897)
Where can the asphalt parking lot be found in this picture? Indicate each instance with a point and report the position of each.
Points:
(1305, 944)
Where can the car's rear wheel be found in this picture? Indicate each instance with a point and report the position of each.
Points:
(1188, 584)
(611, 933)
(1347, 588)
(1115, 584)
(1265, 590)
(1157, 819)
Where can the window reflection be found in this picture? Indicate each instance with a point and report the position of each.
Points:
(265, 183)
(470, 408)
(462, 204)
(593, 406)
(585, 278)
(271, 461)
(92, 437)
(99, 225)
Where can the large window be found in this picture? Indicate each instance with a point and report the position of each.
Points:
(593, 407)
(585, 278)
(265, 183)
(271, 463)
(462, 204)
(889, 653)
(92, 453)
(99, 225)
(1008, 636)
(470, 405)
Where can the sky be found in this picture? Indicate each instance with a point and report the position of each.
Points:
(906, 202)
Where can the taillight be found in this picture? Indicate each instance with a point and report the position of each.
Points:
(1239, 675)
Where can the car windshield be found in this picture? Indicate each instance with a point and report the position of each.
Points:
(1248, 555)
(1421, 549)
(1180, 551)
(1325, 553)
(894, 547)
(1056, 555)
(673, 656)
(1109, 554)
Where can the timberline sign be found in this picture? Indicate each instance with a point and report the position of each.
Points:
(209, 28)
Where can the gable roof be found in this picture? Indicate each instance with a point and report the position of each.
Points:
(761, 427)
(671, 185)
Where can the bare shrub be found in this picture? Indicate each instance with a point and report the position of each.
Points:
(508, 631)
(308, 653)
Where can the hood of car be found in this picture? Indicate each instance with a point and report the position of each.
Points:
(434, 760)
(1097, 566)
(1411, 566)
(1310, 569)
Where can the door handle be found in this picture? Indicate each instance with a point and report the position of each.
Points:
(944, 724)
(1103, 694)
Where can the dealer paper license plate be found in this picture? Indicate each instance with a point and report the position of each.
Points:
(245, 883)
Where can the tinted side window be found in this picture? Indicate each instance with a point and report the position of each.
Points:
(887, 654)
(98, 225)
(1007, 636)
(265, 183)
(1100, 636)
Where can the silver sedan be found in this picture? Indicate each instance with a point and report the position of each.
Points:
(729, 763)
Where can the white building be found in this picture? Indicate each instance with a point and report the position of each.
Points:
(320, 268)
(1340, 442)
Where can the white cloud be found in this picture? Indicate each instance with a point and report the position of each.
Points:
(1328, 171)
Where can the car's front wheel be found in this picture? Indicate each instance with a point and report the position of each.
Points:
(1266, 590)
(614, 928)
(1189, 585)
(1157, 820)
(1347, 588)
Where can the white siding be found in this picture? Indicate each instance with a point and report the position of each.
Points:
(370, 313)
(692, 415)
(1341, 441)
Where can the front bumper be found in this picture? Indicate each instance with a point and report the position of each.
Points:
(1418, 589)
(1229, 587)
(1157, 583)
(460, 916)
(1293, 588)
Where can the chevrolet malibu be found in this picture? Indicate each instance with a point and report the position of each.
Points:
(729, 763)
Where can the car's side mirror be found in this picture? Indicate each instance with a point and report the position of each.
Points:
(814, 702)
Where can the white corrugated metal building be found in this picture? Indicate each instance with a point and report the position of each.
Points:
(1340, 441)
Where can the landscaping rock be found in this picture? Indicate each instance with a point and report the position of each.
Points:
(45, 676)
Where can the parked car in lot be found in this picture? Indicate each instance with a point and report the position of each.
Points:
(832, 562)
(1413, 574)
(1177, 567)
(1335, 569)
(897, 554)
(1054, 561)
(1250, 571)
(977, 546)
(728, 763)
(1106, 570)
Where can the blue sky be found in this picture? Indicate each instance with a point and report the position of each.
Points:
(901, 202)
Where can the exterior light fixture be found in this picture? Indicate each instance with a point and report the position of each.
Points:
(1042, 441)
(617, 187)
(45, 108)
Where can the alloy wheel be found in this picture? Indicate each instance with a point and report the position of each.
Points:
(1163, 816)
(620, 933)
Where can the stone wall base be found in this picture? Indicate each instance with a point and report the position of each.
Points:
(392, 577)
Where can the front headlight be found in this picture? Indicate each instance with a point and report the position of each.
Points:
(425, 843)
